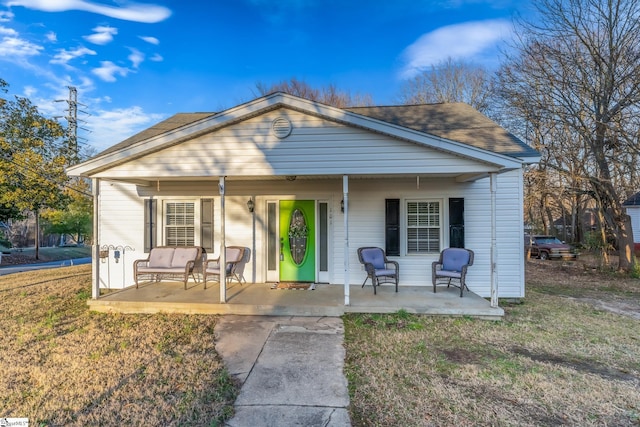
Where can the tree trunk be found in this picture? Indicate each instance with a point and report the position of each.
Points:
(625, 242)
(37, 213)
(604, 253)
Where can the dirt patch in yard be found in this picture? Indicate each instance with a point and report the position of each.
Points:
(18, 259)
(581, 281)
(576, 364)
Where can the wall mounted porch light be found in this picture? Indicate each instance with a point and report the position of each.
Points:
(251, 205)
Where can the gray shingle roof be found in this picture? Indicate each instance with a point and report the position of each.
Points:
(174, 122)
(633, 200)
(455, 121)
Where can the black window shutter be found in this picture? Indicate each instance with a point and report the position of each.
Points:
(392, 227)
(456, 222)
(150, 232)
(206, 225)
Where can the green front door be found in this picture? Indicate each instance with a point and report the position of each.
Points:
(297, 241)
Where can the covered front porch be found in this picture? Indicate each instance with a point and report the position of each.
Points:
(261, 299)
(283, 176)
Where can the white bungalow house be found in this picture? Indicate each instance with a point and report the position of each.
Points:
(409, 179)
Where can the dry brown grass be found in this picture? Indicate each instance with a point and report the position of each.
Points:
(558, 358)
(63, 365)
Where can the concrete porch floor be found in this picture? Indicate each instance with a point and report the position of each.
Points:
(324, 300)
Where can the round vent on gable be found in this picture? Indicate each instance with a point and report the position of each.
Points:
(281, 127)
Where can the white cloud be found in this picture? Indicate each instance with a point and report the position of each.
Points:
(150, 40)
(460, 41)
(156, 58)
(147, 13)
(14, 48)
(102, 35)
(8, 31)
(108, 71)
(136, 57)
(108, 127)
(63, 57)
(6, 16)
(51, 36)
(29, 91)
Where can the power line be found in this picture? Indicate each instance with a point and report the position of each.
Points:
(72, 118)
(42, 175)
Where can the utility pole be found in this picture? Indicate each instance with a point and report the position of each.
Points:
(72, 119)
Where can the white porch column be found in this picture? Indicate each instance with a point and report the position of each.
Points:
(345, 195)
(95, 259)
(223, 245)
(494, 252)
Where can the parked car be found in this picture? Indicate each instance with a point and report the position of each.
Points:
(548, 247)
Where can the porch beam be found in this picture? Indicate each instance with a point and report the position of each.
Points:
(345, 198)
(95, 259)
(494, 255)
(223, 253)
(471, 177)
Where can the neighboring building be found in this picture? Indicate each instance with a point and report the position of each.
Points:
(410, 179)
(587, 222)
(632, 205)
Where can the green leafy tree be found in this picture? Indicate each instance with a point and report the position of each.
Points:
(8, 212)
(76, 218)
(33, 156)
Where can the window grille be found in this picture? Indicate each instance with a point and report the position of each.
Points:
(423, 227)
(180, 224)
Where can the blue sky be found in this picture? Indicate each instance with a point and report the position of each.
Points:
(136, 63)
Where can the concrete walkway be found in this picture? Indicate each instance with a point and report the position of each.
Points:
(290, 368)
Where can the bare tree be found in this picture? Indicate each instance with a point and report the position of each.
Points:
(450, 81)
(577, 69)
(329, 95)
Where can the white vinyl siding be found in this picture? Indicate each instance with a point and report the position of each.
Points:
(315, 146)
(634, 213)
(122, 213)
(423, 227)
(179, 226)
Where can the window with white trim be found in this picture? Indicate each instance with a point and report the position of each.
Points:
(179, 224)
(424, 226)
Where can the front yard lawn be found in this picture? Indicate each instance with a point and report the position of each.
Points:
(64, 365)
(567, 355)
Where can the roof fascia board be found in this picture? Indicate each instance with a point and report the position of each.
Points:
(530, 160)
(470, 177)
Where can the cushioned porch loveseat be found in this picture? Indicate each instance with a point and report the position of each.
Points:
(169, 262)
